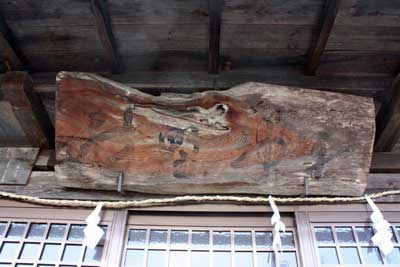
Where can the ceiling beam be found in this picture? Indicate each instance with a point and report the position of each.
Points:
(388, 121)
(106, 35)
(326, 22)
(8, 44)
(215, 15)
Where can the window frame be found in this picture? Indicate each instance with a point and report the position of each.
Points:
(305, 216)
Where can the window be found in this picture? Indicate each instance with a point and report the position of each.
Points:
(206, 241)
(346, 240)
(29, 238)
(195, 236)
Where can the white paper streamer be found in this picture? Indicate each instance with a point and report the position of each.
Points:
(278, 227)
(383, 235)
(93, 232)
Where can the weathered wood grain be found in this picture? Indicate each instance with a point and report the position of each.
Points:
(17, 90)
(8, 46)
(44, 184)
(16, 164)
(254, 138)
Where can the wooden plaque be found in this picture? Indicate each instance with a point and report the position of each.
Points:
(253, 139)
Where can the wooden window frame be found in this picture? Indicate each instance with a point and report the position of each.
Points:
(305, 216)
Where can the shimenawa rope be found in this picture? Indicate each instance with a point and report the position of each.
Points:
(187, 199)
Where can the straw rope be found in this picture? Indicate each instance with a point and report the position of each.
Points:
(187, 199)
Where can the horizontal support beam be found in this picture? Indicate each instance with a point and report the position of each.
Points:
(44, 184)
(188, 82)
(385, 162)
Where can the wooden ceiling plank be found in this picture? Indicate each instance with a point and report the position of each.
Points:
(388, 123)
(106, 35)
(17, 89)
(327, 20)
(215, 16)
(8, 43)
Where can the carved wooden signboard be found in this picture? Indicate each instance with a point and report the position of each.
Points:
(252, 139)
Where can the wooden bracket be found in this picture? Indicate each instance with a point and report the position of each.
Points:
(27, 107)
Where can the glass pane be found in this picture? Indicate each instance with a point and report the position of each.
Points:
(158, 238)
(345, 235)
(244, 259)
(134, 258)
(93, 255)
(394, 257)
(263, 239)
(265, 259)
(2, 227)
(364, 234)
(56, 231)
(179, 239)
(222, 259)
(76, 232)
(222, 239)
(178, 258)
(5, 264)
(156, 258)
(51, 252)
(287, 239)
(8, 251)
(287, 259)
(36, 230)
(371, 255)
(200, 239)
(243, 240)
(324, 235)
(29, 251)
(328, 256)
(200, 259)
(137, 238)
(71, 253)
(16, 230)
(350, 255)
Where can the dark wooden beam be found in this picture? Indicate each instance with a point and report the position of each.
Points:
(106, 35)
(215, 15)
(327, 20)
(8, 44)
(388, 120)
(385, 162)
(17, 90)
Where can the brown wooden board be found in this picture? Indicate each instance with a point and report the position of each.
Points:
(16, 164)
(254, 138)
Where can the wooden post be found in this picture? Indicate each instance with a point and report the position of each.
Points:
(16, 89)
(104, 29)
(214, 14)
(388, 122)
(327, 20)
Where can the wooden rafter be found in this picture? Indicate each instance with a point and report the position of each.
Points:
(8, 44)
(106, 35)
(388, 122)
(214, 14)
(327, 20)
